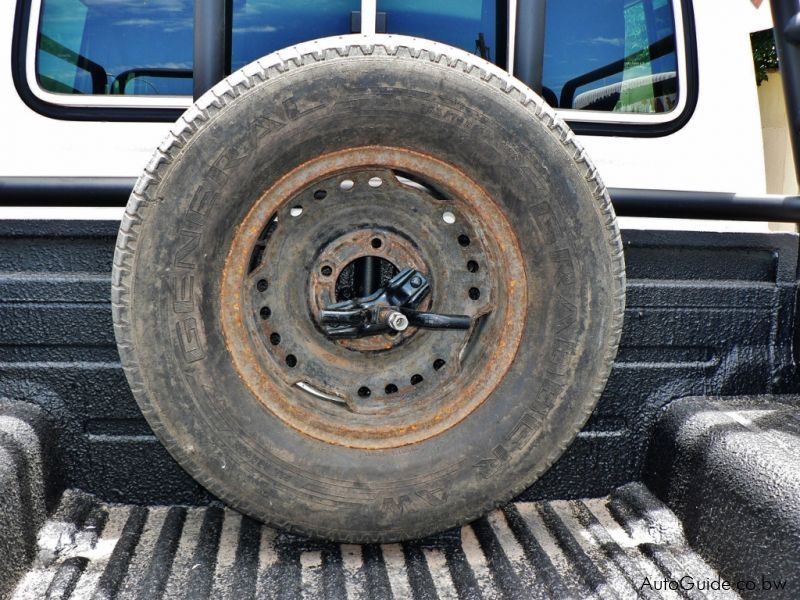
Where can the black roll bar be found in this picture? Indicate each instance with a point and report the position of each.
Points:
(95, 70)
(671, 204)
(529, 43)
(122, 80)
(211, 54)
(786, 19)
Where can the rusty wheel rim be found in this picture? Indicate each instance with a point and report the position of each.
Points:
(288, 258)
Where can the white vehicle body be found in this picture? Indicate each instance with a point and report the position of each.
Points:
(719, 149)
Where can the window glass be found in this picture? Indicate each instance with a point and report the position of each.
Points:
(466, 24)
(263, 26)
(115, 46)
(145, 46)
(610, 55)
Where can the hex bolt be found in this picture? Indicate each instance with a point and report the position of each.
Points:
(416, 282)
(397, 321)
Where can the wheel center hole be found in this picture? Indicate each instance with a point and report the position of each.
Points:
(363, 276)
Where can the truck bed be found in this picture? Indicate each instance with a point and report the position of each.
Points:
(687, 468)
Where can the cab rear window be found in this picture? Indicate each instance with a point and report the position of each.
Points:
(144, 47)
(615, 56)
(611, 55)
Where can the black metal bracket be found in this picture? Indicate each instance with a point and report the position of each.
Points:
(391, 308)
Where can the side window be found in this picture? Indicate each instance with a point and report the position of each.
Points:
(611, 55)
(135, 47)
(144, 47)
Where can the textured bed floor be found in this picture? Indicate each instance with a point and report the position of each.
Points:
(621, 546)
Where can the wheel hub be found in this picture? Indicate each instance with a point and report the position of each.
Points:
(340, 258)
(333, 366)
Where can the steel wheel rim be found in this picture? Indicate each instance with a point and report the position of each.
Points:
(291, 375)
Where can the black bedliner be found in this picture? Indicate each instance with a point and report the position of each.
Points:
(708, 315)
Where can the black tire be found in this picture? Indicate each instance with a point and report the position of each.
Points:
(240, 139)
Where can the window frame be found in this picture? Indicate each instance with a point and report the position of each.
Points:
(169, 108)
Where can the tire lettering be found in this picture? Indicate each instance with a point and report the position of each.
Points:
(225, 162)
(190, 244)
(199, 206)
(546, 222)
(183, 294)
(396, 506)
(292, 110)
(565, 272)
(189, 339)
(267, 124)
(488, 466)
(433, 497)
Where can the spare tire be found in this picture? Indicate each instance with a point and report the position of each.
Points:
(319, 172)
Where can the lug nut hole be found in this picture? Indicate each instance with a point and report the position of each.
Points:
(291, 361)
(416, 378)
(448, 217)
(390, 389)
(463, 240)
(274, 339)
(320, 194)
(376, 243)
(439, 363)
(472, 266)
(265, 312)
(262, 285)
(364, 391)
(296, 211)
(326, 271)
(375, 182)
(347, 184)
(474, 293)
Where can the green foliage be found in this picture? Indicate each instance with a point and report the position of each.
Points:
(764, 55)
